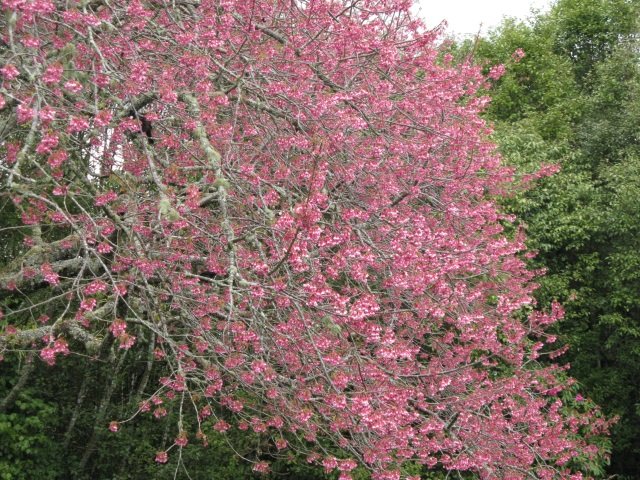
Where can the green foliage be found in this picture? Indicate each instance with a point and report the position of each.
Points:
(541, 83)
(586, 32)
(27, 450)
(608, 130)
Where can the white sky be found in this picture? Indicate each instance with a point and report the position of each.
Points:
(465, 16)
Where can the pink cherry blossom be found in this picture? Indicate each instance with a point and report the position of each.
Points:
(162, 457)
(9, 71)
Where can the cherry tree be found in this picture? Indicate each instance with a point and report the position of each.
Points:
(292, 204)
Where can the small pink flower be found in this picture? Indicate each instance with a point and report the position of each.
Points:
(57, 217)
(276, 422)
(160, 412)
(104, 248)
(24, 113)
(168, 95)
(103, 118)
(221, 426)
(49, 275)
(56, 159)
(97, 286)
(347, 465)
(77, 124)
(182, 440)
(29, 272)
(61, 346)
(91, 20)
(329, 463)
(47, 114)
(48, 356)
(261, 467)
(139, 72)
(126, 341)
(30, 42)
(73, 86)
(53, 74)
(108, 230)
(60, 190)
(518, 55)
(118, 327)
(101, 80)
(496, 72)
(9, 71)
(205, 412)
(162, 457)
(88, 305)
(258, 366)
(47, 144)
(105, 198)
(114, 426)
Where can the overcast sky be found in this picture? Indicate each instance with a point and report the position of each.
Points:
(465, 16)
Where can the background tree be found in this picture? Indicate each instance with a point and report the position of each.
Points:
(290, 206)
(574, 100)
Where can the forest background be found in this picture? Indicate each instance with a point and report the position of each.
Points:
(572, 101)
